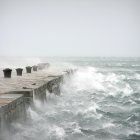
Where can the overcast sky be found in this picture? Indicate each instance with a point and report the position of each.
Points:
(70, 28)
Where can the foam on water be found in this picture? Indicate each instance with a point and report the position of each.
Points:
(93, 105)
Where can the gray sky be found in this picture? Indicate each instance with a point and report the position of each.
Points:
(70, 28)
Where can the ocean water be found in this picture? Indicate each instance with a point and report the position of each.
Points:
(100, 101)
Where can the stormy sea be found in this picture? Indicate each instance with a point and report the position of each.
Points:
(99, 101)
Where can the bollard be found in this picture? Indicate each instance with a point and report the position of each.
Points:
(7, 73)
(28, 69)
(34, 68)
(19, 71)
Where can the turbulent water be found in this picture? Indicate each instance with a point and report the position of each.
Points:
(100, 101)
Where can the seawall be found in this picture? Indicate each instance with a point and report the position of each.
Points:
(17, 93)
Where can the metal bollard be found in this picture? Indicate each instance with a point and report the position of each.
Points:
(7, 73)
(28, 69)
(34, 68)
(19, 71)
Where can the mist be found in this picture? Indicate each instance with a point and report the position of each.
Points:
(70, 28)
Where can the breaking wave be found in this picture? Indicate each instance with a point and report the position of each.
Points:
(93, 105)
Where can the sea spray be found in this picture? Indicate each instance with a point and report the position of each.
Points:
(99, 101)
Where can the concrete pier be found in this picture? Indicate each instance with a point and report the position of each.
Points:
(16, 93)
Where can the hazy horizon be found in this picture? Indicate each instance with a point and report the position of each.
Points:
(70, 28)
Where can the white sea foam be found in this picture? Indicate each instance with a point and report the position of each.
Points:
(108, 125)
(58, 131)
(92, 103)
(87, 79)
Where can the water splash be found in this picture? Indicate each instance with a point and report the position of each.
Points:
(93, 105)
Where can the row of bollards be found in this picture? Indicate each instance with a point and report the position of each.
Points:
(7, 72)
